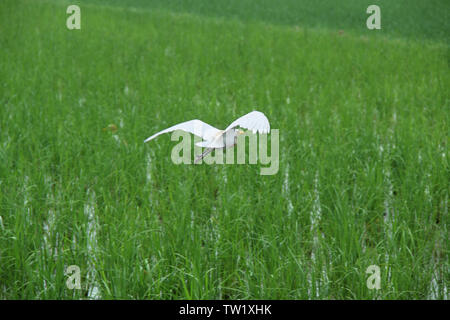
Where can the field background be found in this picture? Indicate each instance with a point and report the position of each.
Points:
(363, 120)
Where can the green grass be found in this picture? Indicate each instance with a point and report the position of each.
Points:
(363, 180)
(409, 18)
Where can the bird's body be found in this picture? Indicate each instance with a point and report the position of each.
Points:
(214, 138)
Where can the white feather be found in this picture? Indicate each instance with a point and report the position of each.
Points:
(255, 121)
(197, 127)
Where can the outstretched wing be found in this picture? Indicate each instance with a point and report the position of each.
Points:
(197, 127)
(255, 121)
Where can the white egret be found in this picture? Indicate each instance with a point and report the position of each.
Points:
(214, 138)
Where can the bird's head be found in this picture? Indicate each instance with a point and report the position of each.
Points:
(237, 132)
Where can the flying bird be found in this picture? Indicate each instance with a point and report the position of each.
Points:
(214, 138)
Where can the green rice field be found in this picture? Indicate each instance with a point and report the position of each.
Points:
(363, 179)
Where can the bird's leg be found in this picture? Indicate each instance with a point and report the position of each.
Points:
(200, 157)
